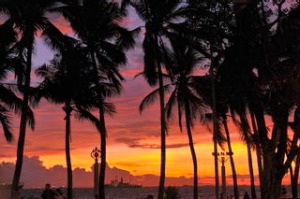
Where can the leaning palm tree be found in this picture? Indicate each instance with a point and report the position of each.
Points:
(96, 25)
(28, 16)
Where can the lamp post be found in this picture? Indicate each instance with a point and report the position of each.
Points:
(95, 154)
(222, 158)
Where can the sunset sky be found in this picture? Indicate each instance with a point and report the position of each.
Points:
(133, 142)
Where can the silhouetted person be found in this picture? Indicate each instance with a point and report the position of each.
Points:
(58, 194)
(246, 196)
(48, 193)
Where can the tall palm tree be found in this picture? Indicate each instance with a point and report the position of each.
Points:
(184, 96)
(159, 18)
(67, 81)
(212, 24)
(96, 25)
(230, 152)
(182, 61)
(28, 17)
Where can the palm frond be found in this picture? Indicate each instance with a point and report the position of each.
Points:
(221, 139)
(5, 120)
(151, 97)
(170, 103)
(83, 114)
(126, 38)
(10, 99)
(109, 108)
(30, 118)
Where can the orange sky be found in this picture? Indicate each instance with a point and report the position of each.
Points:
(133, 139)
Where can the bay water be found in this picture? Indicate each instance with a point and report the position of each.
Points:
(186, 192)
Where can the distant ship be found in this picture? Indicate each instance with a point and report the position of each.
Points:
(121, 183)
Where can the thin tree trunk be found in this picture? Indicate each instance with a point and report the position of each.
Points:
(23, 121)
(251, 172)
(258, 152)
(103, 134)
(103, 155)
(161, 188)
(191, 143)
(246, 129)
(263, 149)
(234, 177)
(68, 109)
(215, 130)
(294, 177)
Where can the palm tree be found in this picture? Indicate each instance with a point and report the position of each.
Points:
(28, 17)
(272, 90)
(182, 62)
(96, 25)
(159, 18)
(66, 81)
(230, 152)
(184, 96)
(212, 25)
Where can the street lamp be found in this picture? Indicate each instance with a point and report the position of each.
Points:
(222, 158)
(96, 154)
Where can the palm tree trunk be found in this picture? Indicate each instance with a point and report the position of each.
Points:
(161, 188)
(246, 129)
(258, 152)
(251, 172)
(234, 177)
(68, 109)
(23, 121)
(262, 148)
(103, 134)
(294, 177)
(215, 130)
(191, 143)
(103, 155)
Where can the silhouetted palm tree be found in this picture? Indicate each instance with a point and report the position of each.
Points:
(184, 96)
(28, 16)
(212, 23)
(67, 81)
(181, 61)
(96, 25)
(159, 18)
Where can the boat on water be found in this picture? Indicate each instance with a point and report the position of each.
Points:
(117, 184)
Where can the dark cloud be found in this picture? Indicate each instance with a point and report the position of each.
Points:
(137, 143)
